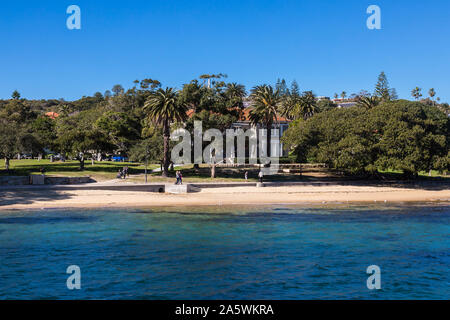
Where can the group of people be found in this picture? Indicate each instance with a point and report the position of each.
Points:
(123, 174)
(179, 178)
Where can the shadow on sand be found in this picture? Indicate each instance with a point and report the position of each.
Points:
(426, 185)
(18, 196)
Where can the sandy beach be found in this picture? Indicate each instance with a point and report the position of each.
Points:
(36, 199)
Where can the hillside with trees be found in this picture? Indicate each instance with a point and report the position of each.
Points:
(379, 133)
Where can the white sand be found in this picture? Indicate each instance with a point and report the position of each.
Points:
(219, 196)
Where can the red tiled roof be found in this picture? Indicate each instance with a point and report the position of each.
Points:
(52, 115)
(190, 113)
(245, 115)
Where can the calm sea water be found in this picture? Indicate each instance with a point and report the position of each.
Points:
(227, 253)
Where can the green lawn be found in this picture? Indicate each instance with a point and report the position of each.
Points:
(423, 174)
(107, 170)
(100, 171)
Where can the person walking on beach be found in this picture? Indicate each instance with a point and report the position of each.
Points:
(181, 177)
(246, 176)
(177, 174)
(125, 172)
(119, 174)
(260, 175)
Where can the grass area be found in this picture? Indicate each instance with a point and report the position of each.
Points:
(422, 174)
(100, 171)
(107, 170)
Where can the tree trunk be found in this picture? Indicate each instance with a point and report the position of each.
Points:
(165, 171)
(7, 164)
(213, 166)
(92, 160)
(269, 133)
(213, 170)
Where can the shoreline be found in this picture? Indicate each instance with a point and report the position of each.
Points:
(332, 205)
(243, 196)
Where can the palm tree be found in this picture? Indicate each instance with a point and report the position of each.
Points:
(303, 106)
(235, 94)
(416, 93)
(368, 102)
(162, 107)
(265, 102)
(288, 106)
(307, 105)
(432, 93)
(343, 94)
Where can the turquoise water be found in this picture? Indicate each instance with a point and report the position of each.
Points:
(227, 253)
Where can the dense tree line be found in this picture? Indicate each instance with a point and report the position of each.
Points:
(134, 122)
(398, 135)
(381, 132)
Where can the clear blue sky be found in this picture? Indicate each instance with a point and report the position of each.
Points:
(324, 45)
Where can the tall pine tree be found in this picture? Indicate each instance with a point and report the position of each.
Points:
(382, 89)
(282, 87)
(295, 90)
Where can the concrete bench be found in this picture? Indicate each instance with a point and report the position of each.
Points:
(180, 188)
